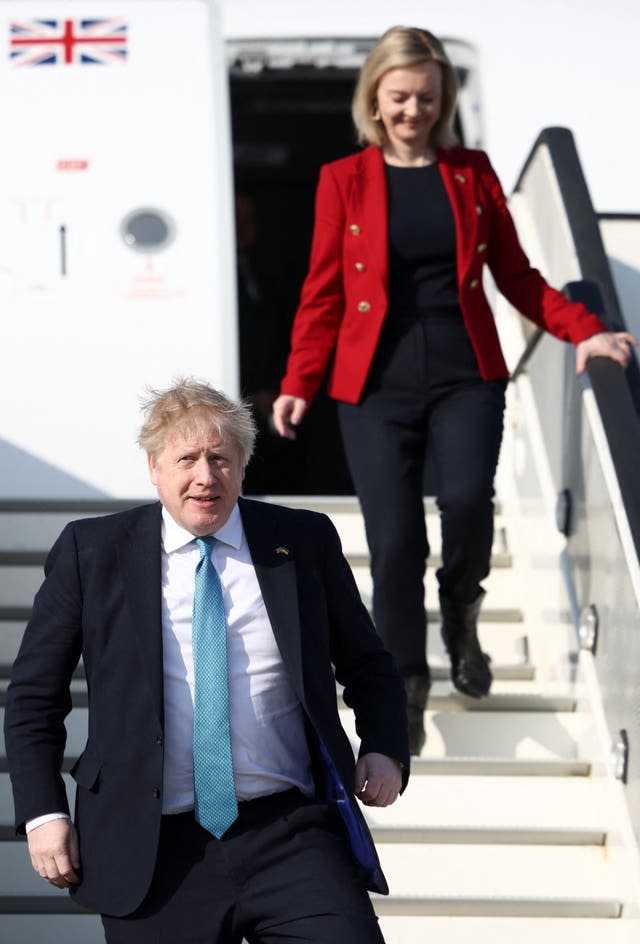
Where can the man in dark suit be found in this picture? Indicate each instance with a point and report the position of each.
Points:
(285, 855)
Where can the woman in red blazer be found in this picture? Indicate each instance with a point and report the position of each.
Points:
(403, 230)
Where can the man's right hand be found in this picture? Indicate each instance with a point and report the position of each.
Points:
(287, 414)
(53, 848)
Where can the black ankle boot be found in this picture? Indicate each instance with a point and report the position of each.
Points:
(470, 671)
(417, 689)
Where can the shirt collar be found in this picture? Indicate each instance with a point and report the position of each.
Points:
(174, 536)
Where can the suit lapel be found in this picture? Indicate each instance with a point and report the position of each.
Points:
(140, 562)
(273, 560)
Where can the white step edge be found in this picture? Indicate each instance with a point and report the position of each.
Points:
(501, 907)
(507, 930)
(496, 872)
(451, 700)
(42, 929)
(498, 767)
(481, 835)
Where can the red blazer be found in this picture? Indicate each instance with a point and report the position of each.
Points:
(344, 298)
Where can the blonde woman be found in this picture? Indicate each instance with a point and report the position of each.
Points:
(403, 230)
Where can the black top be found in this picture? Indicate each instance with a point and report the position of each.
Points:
(422, 244)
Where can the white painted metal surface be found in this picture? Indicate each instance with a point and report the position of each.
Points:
(116, 238)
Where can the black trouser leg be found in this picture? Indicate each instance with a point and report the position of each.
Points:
(384, 440)
(465, 432)
(283, 874)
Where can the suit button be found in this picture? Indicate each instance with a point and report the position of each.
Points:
(474, 283)
(364, 306)
(354, 229)
(159, 739)
(478, 209)
(155, 793)
(481, 247)
(360, 267)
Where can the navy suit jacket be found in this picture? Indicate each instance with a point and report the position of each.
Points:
(101, 600)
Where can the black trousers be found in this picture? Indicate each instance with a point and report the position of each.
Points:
(282, 873)
(424, 395)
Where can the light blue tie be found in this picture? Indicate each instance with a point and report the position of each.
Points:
(216, 806)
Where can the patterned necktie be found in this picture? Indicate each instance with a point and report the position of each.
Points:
(216, 806)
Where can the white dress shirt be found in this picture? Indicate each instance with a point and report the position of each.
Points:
(268, 739)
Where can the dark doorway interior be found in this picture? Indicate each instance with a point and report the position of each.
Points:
(285, 125)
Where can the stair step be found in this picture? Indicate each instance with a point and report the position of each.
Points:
(502, 585)
(504, 735)
(521, 907)
(506, 644)
(517, 804)
(56, 903)
(501, 877)
(482, 835)
(80, 928)
(11, 632)
(336, 505)
(448, 699)
(18, 586)
(505, 930)
(488, 614)
(443, 697)
(507, 672)
(497, 767)
(358, 558)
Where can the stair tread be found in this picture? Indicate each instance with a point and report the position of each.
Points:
(481, 871)
(485, 871)
(39, 929)
(491, 802)
(503, 930)
(504, 696)
(475, 834)
(503, 586)
(493, 735)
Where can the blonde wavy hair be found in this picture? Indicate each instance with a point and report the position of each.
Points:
(187, 406)
(403, 46)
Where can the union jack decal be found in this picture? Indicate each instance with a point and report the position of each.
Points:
(68, 42)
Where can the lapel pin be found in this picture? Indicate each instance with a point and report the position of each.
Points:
(283, 550)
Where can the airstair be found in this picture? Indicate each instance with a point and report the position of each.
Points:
(512, 824)
(521, 818)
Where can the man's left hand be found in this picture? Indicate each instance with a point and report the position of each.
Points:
(378, 780)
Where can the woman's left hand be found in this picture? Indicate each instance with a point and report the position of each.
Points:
(614, 344)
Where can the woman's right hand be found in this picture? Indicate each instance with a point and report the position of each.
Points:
(287, 414)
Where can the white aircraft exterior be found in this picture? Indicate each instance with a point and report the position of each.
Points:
(116, 212)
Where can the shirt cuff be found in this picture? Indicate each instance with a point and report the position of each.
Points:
(41, 820)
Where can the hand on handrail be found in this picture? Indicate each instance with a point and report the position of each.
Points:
(617, 345)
